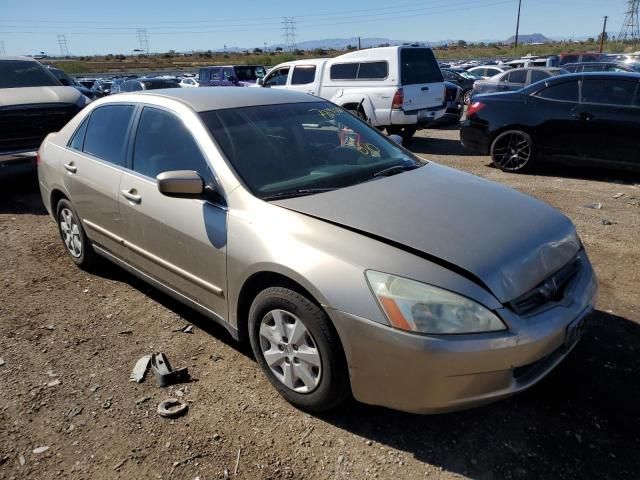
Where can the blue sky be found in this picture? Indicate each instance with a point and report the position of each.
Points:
(90, 27)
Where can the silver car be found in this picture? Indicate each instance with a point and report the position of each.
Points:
(352, 266)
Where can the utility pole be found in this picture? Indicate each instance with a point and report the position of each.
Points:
(64, 45)
(604, 32)
(518, 24)
(289, 28)
(630, 28)
(359, 47)
(143, 40)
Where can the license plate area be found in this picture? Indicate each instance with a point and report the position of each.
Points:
(422, 114)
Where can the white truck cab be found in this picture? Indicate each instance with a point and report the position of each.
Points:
(397, 88)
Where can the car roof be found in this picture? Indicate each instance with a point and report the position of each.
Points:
(26, 59)
(578, 76)
(218, 98)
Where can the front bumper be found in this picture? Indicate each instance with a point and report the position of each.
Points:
(434, 374)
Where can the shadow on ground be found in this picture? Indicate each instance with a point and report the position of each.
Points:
(20, 194)
(582, 421)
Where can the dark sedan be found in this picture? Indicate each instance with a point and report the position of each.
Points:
(464, 80)
(514, 79)
(592, 117)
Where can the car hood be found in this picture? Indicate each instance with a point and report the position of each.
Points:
(502, 239)
(34, 95)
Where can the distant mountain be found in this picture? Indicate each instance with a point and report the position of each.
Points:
(531, 38)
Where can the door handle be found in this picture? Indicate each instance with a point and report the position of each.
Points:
(424, 88)
(131, 195)
(70, 167)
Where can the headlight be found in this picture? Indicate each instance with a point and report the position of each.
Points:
(418, 307)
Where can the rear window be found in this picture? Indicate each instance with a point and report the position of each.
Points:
(21, 73)
(419, 65)
(155, 84)
(344, 71)
(566, 92)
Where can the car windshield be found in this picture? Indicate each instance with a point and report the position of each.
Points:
(302, 148)
(249, 73)
(21, 73)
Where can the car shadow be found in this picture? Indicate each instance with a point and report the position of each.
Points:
(585, 171)
(581, 421)
(439, 146)
(21, 194)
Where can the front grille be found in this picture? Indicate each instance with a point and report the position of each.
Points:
(25, 126)
(551, 290)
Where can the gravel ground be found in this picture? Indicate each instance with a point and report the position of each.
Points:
(68, 342)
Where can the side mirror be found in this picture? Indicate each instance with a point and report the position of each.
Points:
(260, 82)
(180, 183)
(396, 139)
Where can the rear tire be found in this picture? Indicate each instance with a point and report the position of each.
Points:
(513, 151)
(73, 236)
(306, 361)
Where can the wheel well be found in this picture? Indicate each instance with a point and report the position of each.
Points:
(56, 196)
(253, 286)
(351, 106)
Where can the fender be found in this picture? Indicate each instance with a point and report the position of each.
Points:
(340, 98)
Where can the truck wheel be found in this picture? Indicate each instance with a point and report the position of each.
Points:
(405, 132)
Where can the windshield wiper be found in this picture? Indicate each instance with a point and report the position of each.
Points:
(299, 192)
(394, 170)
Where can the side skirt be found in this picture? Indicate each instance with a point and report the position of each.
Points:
(168, 290)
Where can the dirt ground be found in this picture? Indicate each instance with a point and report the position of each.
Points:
(69, 340)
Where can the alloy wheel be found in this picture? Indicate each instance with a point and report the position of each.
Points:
(70, 232)
(290, 351)
(512, 151)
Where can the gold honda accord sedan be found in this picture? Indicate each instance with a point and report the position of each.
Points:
(352, 266)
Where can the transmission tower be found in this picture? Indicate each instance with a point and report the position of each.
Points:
(64, 45)
(143, 40)
(3, 51)
(630, 28)
(289, 29)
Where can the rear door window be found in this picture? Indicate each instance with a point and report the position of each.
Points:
(107, 133)
(519, 77)
(608, 92)
(565, 92)
(303, 74)
(163, 143)
(78, 138)
(537, 75)
(419, 65)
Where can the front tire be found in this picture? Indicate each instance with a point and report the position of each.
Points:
(298, 349)
(513, 151)
(73, 236)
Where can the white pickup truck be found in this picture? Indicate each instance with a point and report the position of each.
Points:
(397, 88)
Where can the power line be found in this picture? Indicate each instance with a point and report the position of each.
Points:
(64, 45)
(630, 27)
